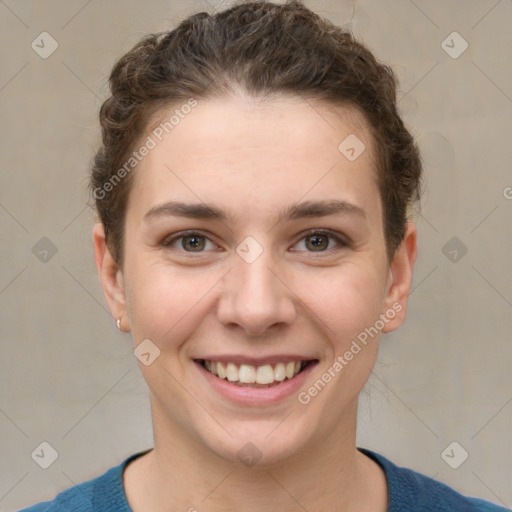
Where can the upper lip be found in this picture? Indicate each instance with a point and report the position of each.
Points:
(255, 361)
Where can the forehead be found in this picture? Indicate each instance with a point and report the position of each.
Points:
(234, 122)
(266, 151)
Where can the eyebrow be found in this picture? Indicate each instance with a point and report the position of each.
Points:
(189, 210)
(321, 209)
(307, 209)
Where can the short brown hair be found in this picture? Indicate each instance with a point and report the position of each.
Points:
(266, 49)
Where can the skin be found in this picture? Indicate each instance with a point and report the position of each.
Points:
(253, 159)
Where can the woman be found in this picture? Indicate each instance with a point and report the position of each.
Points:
(253, 190)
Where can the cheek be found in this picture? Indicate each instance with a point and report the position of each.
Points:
(165, 304)
(347, 300)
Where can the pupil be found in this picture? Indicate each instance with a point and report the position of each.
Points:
(318, 241)
(194, 242)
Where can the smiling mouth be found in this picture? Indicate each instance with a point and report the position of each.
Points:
(247, 375)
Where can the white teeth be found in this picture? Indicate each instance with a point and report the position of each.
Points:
(232, 372)
(280, 372)
(221, 370)
(249, 374)
(265, 374)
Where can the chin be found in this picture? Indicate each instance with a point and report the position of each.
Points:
(259, 444)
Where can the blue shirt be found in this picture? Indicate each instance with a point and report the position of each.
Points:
(408, 491)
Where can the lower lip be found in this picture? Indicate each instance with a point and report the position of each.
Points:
(256, 396)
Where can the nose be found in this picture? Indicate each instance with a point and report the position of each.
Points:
(256, 297)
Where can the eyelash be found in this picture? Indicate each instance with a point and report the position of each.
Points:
(342, 242)
(167, 242)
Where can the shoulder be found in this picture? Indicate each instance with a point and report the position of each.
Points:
(410, 490)
(104, 493)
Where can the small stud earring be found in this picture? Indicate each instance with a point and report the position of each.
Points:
(118, 323)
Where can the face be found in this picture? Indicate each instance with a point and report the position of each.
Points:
(254, 246)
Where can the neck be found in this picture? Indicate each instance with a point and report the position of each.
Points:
(182, 473)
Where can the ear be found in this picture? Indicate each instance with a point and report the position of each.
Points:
(400, 279)
(111, 277)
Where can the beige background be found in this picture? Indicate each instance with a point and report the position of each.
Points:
(70, 379)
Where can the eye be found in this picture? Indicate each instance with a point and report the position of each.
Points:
(320, 241)
(191, 241)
